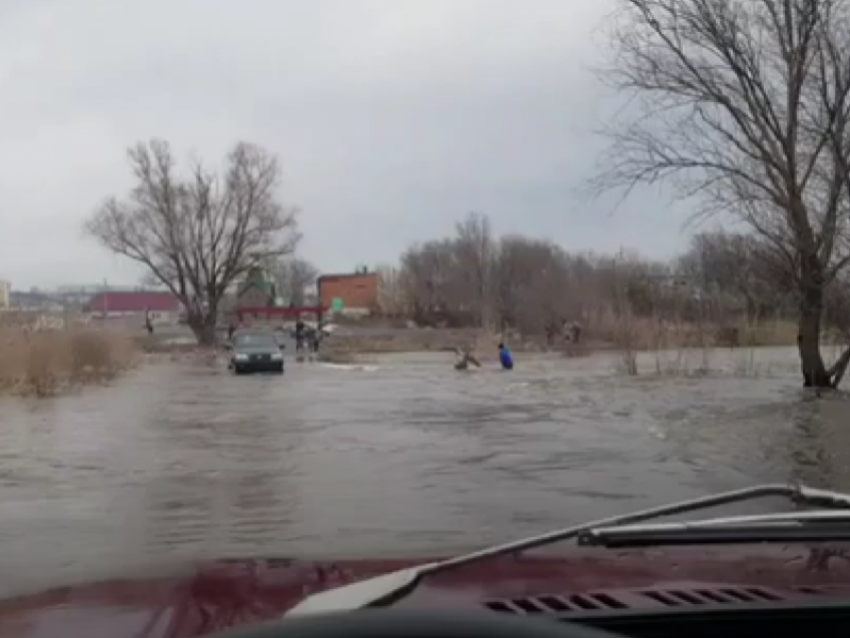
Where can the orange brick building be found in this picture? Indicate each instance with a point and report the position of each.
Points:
(358, 292)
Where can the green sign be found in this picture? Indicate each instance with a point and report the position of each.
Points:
(337, 304)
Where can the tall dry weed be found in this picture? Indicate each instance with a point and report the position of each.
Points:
(46, 362)
(689, 348)
(627, 338)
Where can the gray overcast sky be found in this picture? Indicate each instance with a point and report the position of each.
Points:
(393, 118)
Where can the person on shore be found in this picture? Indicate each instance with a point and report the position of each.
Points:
(575, 332)
(505, 357)
(299, 335)
(313, 338)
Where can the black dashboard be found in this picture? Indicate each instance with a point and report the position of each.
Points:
(695, 612)
(823, 619)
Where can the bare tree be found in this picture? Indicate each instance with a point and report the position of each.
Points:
(431, 280)
(293, 277)
(739, 271)
(197, 233)
(745, 104)
(474, 251)
(392, 294)
(532, 286)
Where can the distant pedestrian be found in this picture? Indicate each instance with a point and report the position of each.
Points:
(299, 335)
(231, 329)
(575, 332)
(148, 324)
(505, 357)
(314, 337)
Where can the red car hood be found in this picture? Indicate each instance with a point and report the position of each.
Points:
(208, 598)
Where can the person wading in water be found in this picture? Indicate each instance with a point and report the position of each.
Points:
(505, 357)
(464, 358)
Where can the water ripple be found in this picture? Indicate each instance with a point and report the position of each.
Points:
(404, 456)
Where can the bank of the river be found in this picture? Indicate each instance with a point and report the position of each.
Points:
(377, 336)
(640, 336)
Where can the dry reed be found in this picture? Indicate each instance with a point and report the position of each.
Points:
(48, 362)
(687, 349)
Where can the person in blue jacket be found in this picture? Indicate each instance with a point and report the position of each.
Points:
(505, 357)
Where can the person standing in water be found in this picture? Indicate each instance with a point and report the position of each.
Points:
(505, 357)
(464, 358)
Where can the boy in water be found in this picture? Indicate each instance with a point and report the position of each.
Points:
(505, 357)
(464, 358)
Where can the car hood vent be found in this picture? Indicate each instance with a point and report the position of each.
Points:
(637, 598)
(705, 596)
(557, 603)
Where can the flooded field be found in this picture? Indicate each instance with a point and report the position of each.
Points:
(401, 455)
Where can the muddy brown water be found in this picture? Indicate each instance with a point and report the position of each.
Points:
(399, 456)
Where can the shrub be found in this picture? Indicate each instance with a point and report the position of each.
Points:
(45, 362)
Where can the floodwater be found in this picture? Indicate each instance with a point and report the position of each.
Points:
(399, 456)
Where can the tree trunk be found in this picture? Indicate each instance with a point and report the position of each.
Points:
(811, 361)
(203, 327)
(814, 371)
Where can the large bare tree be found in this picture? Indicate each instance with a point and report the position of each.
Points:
(197, 232)
(745, 105)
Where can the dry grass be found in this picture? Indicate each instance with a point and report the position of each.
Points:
(48, 362)
(687, 349)
(652, 333)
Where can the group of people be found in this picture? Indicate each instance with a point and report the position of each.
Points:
(307, 337)
(465, 358)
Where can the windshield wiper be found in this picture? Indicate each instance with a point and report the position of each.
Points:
(818, 526)
(757, 534)
(388, 588)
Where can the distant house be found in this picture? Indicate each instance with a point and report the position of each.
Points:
(357, 292)
(33, 301)
(161, 307)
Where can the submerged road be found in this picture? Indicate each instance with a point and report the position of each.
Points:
(398, 456)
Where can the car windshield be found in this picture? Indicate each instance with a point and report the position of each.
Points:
(363, 284)
(256, 341)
